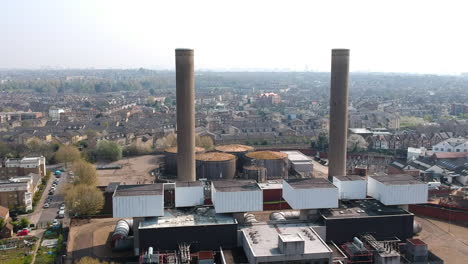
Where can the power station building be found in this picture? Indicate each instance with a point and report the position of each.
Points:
(219, 212)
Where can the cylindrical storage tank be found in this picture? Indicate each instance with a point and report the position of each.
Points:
(170, 158)
(215, 165)
(253, 172)
(275, 163)
(238, 150)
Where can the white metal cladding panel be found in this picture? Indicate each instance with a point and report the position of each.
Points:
(403, 194)
(234, 202)
(189, 196)
(372, 186)
(138, 206)
(310, 198)
(352, 189)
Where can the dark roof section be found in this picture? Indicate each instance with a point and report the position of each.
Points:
(396, 179)
(350, 178)
(235, 185)
(137, 190)
(309, 183)
(188, 184)
(361, 208)
(112, 187)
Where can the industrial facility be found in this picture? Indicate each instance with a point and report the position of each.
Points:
(221, 199)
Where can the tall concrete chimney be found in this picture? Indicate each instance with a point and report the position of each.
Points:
(338, 113)
(185, 94)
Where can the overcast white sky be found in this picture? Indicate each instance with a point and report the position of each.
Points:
(391, 36)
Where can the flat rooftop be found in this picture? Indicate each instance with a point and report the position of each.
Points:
(178, 218)
(362, 208)
(297, 156)
(350, 178)
(272, 184)
(266, 238)
(188, 184)
(310, 183)
(396, 179)
(235, 185)
(137, 190)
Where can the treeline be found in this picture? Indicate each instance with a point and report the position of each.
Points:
(86, 86)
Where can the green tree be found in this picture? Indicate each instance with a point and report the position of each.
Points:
(24, 222)
(85, 173)
(67, 154)
(108, 150)
(2, 223)
(321, 143)
(84, 200)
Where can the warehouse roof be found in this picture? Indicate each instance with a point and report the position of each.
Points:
(235, 185)
(396, 179)
(361, 208)
(309, 183)
(177, 218)
(137, 190)
(350, 178)
(263, 239)
(188, 184)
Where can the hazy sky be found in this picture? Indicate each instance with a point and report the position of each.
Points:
(391, 36)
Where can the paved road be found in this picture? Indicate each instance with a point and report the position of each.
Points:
(49, 214)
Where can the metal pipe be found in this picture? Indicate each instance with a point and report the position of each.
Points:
(185, 97)
(283, 216)
(338, 113)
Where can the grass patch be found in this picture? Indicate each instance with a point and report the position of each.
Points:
(16, 256)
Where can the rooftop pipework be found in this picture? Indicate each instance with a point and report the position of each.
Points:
(338, 113)
(185, 96)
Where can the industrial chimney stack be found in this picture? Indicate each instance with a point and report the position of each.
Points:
(185, 95)
(338, 113)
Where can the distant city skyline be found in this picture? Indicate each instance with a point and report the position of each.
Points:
(388, 36)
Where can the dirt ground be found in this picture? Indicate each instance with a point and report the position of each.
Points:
(449, 242)
(90, 238)
(135, 170)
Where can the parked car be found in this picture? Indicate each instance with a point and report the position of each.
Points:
(46, 205)
(62, 207)
(55, 222)
(61, 214)
(56, 181)
(51, 192)
(23, 232)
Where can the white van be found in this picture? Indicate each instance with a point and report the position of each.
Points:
(61, 214)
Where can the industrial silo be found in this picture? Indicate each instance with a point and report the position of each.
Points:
(276, 163)
(170, 157)
(238, 150)
(215, 165)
